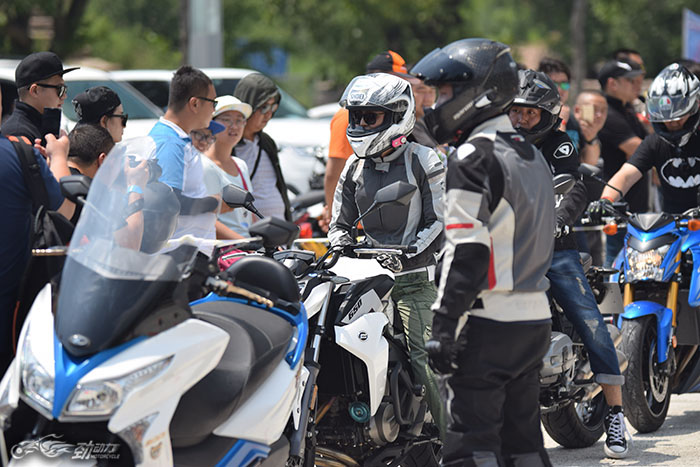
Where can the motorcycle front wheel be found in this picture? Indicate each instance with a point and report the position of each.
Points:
(646, 393)
(576, 425)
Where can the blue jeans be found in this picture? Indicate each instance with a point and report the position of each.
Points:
(613, 245)
(569, 287)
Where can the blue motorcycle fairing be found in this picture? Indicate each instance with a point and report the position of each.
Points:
(299, 321)
(664, 318)
(692, 243)
(69, 370)
(244, 453)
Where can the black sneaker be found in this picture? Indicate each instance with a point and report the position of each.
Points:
(615, 429)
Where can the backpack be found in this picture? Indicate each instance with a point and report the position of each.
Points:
(48, 229)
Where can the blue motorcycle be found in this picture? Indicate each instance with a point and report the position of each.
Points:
(661, 319)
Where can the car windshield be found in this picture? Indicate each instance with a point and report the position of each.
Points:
(134, 104)
(120, 263)
(289, 107)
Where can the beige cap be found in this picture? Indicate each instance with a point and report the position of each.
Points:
(229, 103)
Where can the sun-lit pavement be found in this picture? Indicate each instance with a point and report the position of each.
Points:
(676, 443)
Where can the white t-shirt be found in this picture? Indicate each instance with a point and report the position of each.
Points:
(268, 199)
(215, 179)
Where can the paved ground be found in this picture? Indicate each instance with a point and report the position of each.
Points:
(676, 443)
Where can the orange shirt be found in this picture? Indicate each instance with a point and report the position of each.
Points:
(339, 147)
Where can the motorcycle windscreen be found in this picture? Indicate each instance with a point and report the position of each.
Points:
(117, 265)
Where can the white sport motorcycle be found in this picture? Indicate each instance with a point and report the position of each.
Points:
(118, 367)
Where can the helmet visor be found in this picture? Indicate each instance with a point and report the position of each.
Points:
(667, 109)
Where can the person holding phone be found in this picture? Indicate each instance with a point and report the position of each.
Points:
(591, 110)
(41, 90)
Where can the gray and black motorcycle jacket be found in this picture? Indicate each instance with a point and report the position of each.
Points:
(419, 223)
(563, 158)
(499, 224)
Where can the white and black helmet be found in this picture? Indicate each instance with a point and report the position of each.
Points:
(672, 95)
(384, 93)
(537, 90)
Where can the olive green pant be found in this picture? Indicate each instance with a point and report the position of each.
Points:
(414, 294)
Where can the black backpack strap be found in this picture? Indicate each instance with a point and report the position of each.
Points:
(31, 170)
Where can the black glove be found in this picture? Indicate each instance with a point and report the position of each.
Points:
(598, 209)
(442, 348)
(391, 262)
(349, 251)
(562, 229)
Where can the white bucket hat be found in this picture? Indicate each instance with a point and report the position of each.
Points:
(229, 103)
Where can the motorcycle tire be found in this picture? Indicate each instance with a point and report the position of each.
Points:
(422, 455)
(646, 393)
(572, 427)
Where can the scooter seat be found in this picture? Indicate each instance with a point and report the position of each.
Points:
(258, 342)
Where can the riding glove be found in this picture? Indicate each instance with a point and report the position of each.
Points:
(442, 348)
(598, 209)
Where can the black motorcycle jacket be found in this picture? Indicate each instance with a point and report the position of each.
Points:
(563, 158)
(499, 224)
(419, 223)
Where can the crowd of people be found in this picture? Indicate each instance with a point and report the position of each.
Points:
(478, 135)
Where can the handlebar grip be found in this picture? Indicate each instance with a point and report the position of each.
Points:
(403, 248)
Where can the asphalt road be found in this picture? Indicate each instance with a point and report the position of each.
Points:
(676, 443)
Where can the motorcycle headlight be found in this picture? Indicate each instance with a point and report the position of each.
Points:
(101, 398)
(37, 382)
(646, 265)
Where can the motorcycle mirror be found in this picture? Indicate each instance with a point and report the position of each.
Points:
(75, 188)
(236, 197)
(396, 193)
(588, 170)
(275, 232)
(563, 183)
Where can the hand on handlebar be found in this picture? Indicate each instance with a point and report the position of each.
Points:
(597, 209)
(391, 262)
(561, 229)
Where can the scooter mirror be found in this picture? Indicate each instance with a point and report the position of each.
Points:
(275, 232)
(75, 188)
(396, 193)
(236, 197)
(563, 183)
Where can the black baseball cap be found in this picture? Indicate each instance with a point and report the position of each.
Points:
(93, 103)
(38, 66)
(623, 68)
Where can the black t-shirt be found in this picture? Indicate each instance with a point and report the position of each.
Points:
(620, 125)
(678, 168)
(562, 157)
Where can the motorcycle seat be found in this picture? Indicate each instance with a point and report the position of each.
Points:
(258, 342)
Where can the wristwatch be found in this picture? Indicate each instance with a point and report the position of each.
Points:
(134, 189)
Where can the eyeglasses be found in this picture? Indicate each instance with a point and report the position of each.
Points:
(202, 137)
(268, 107)
(124, 118)
(370, 117)
(213, 101)
(228, 123)
(61, 89)
(564, 86)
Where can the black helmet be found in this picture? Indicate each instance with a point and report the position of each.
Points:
(484, 83)
(672, 95)
(160, 212)
(537, 90)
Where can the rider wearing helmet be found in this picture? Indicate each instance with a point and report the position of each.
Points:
(492, 322)
(382, 115)
(672, 107)
(535, 113)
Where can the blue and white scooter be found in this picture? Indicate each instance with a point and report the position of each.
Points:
(118, 367)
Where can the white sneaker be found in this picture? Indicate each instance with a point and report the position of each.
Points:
(615, 442)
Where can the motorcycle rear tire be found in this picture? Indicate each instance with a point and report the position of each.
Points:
(569, 430)
(645, 410)
(422, 455)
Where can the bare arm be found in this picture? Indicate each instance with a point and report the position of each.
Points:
(334, 167)
(630, 145)
(591, 153)
(224, 233)
(623, 180)
(57, 152)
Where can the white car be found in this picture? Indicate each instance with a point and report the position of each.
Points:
(299, 137)
(142, 113)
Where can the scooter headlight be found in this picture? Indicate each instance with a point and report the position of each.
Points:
(646, 265)
(102, 398)
(37, 383)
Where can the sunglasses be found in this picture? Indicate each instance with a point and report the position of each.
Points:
(124, 118)
(213, 101)
(369, 117)
(564, 86)
(268, 107)
(61, 89)
(203, 137)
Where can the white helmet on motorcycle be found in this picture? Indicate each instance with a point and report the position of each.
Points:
(368, 96)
